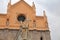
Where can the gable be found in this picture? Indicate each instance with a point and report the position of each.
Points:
(21, 4)
(24, 8)
(19, 8)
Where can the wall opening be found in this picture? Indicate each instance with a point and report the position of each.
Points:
(21, 17)
(41, 38)
(7, 22)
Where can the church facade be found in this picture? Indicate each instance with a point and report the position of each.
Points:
(23, 15)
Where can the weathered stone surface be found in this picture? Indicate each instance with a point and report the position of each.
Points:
(32, 35)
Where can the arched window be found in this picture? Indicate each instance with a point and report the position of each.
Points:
(7, 22)
(34, 23)
(41, 38)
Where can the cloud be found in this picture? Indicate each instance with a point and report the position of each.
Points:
(3, 6)
(52, 5)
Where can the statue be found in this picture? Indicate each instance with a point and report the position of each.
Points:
(23, 31)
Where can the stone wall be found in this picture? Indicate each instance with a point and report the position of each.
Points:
(8, 34)
(40, 35)
(32, 35)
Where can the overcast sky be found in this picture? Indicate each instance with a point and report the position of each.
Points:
(52, 8)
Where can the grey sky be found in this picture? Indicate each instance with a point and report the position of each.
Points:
(52, 8)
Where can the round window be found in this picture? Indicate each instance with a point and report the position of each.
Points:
(21, 18)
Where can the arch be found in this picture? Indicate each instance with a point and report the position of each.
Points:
(41, 38)
(7, 22)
